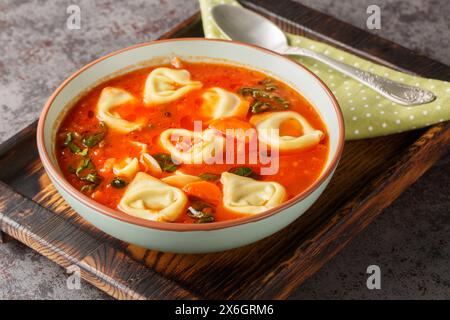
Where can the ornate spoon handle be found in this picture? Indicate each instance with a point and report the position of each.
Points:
(395, 91)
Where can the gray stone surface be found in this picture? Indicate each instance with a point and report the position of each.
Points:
(24, 274)
(38, 51)
(420, 25)
(410, 241)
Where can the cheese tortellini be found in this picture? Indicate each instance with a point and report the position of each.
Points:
(220, 103)
(110, 98)
(193, 147)
(126, 168)
(266, 123)
(150, 164)
(164, 85)
(249, 196)
(180, 179)
(149, 198)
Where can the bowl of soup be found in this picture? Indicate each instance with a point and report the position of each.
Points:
(191, 145)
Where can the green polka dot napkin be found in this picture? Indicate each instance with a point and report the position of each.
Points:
(366, 113)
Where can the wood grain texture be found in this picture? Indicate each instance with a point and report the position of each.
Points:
(371, 174)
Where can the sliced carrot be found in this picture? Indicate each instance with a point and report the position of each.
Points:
(229, 123)
(237, 128)
(98, 196)
(204, 190)
(291, 128)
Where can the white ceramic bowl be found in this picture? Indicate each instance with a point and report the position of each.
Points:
(176, 237)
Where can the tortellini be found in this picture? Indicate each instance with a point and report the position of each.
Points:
(180, 179)
(149, 198)
(193, 147)
(266, 123)
(150, 164)
(110, 98)
(127, 168)
(164, 85)
(249, 196)
(220, 103)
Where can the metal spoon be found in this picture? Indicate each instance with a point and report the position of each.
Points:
(244, 25)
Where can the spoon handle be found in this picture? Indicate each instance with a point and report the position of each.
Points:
(395, 91)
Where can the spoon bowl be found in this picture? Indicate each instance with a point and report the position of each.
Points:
(244, 25)
(232, 21)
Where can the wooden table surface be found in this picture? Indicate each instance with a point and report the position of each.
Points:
(410, 241)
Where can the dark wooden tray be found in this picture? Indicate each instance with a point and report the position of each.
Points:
(371, 175)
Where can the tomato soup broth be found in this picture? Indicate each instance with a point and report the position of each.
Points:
(89, 150)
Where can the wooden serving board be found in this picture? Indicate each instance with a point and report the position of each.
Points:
(371, 175)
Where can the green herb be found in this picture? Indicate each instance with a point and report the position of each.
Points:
(206, 219)
(201, 210)
(91, 177)
(165, 162)
(85, 164)
(85, 171)
(258, 106)
(242, 171)
(283, 103)
(118, 183)
(255, 93)
(94, 139)
(70, 144)
(202, 206)
(209, 177)
(196, 214)
(268, 84)
(264, 100)
(88, 188)
(84, 152)
(259, 93)
(245, 172)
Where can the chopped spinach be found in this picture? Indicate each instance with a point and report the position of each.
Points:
(245, 172)
(85, 171)
(86, 163)
(201, 211)
(264, 99)
(118, 183)
(88, 188)
(91, 177)
(259, 106)
(206, 219)
(94, 139)
(84, 152)
(209, 177)
(268, 84)
(70, 144)
(165, 162)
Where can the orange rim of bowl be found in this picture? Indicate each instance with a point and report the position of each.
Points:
(59, 179)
